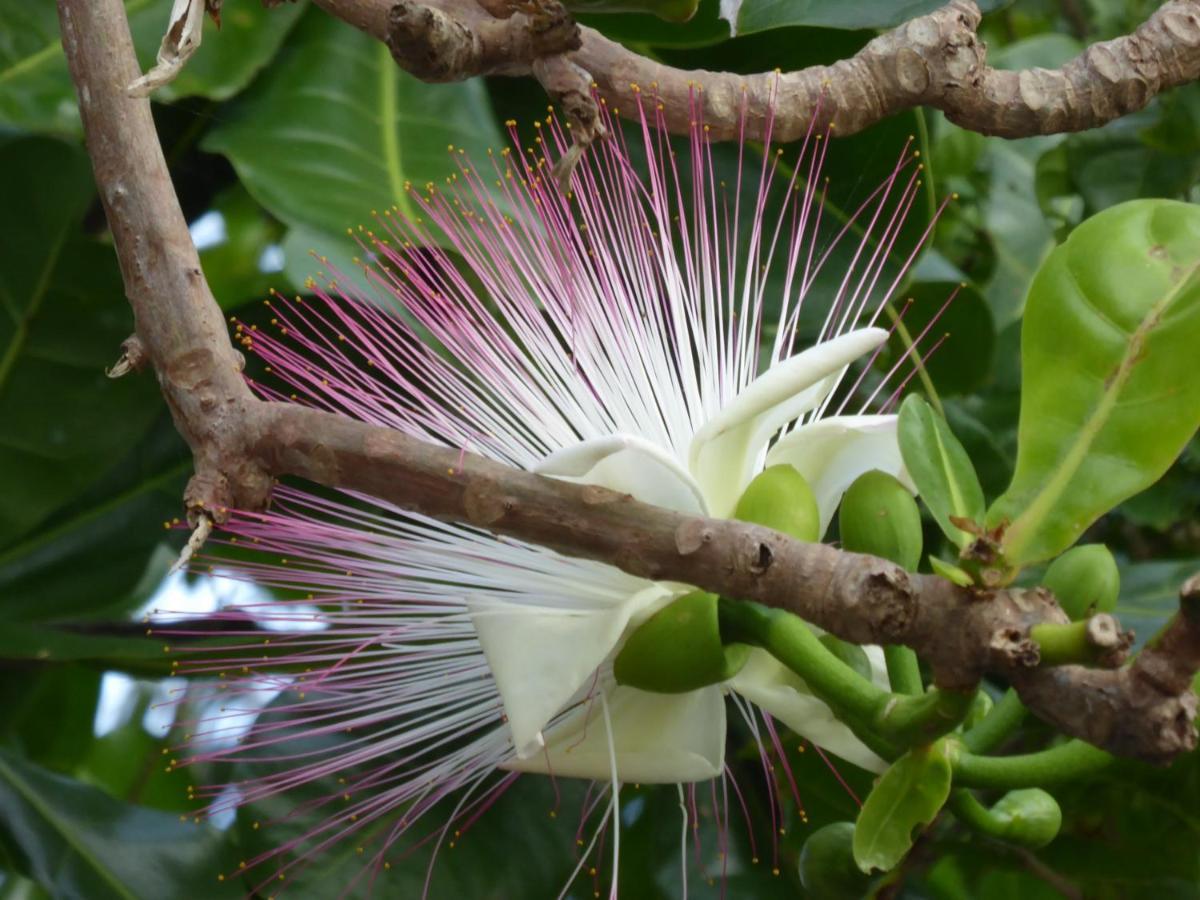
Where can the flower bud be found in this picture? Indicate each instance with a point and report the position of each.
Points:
(1028, 817)
(827, 867)
(679, 649)
(1085, 580)
(780, 498)
(879, 516)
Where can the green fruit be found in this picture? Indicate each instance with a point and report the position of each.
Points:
(679, 649)
(780, 498)
(827, 867)
(1085, 580)
(1029, 817)
(879, 516)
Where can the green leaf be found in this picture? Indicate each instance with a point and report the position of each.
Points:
(963, 360)
(103, 553)
(951, 572)
(1109, 397)
(233, 265)
(63, 316)
(760, 15)
(908, 795)
(44, 644)
(59, 741)
(1150, 594)
(475, 863)
(78, 842)
(670, 10)
(36, 93)
(940, 468)
(335, 130)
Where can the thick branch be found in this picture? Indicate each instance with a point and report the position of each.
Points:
(960, 633)
(240, 442)
(180, 329)
(935, 60)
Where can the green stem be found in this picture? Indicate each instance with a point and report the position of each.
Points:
(1066, 762)
(920, 719)
(884, 721)
(1000, 722)
(968, 810)
(918, 363)
(904, 672)
(1061, 645)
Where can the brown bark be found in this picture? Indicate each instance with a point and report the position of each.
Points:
(935, 60)
(240, 443)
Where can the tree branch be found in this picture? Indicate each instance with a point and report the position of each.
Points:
(935, 60)
(240, 443)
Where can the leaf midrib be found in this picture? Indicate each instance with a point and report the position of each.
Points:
(52, 49)
(33, 799)
(387, 127)
(1024, 526)
(21, 332)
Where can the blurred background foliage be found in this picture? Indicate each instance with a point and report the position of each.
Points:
(286, 128)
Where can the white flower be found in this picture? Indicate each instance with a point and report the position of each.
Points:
(638, 334)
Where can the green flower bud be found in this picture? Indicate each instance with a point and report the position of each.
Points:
(879, 516)
(827, 867)
(1085, 580)
(1028, 817)
(679, 649)
(780, 498)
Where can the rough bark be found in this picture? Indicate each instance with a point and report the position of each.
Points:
(935, 60)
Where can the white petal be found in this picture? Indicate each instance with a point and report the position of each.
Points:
(725, 453)
(658, 739)
(833, 452)
(630, 464)
(777, 690)
(541, 656)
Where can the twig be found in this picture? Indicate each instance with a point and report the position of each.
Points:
(240, 443)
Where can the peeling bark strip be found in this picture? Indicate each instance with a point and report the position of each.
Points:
(934, 60)
(240, 443)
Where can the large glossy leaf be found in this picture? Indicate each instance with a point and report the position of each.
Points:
(1150, 594)
(760, 15)
(940, 468)
(1109, 393)
(36, 92)
(907, 796)
(27, 691)
(63, 316)
(475, 863)
(81, 844)
(963, 359)
(103, 553)
(335, 129)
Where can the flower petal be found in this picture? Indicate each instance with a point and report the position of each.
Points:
(777, 690)
(541, 656)
(725, 452)
(658, 739)
(631, 465)
(833, 452)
